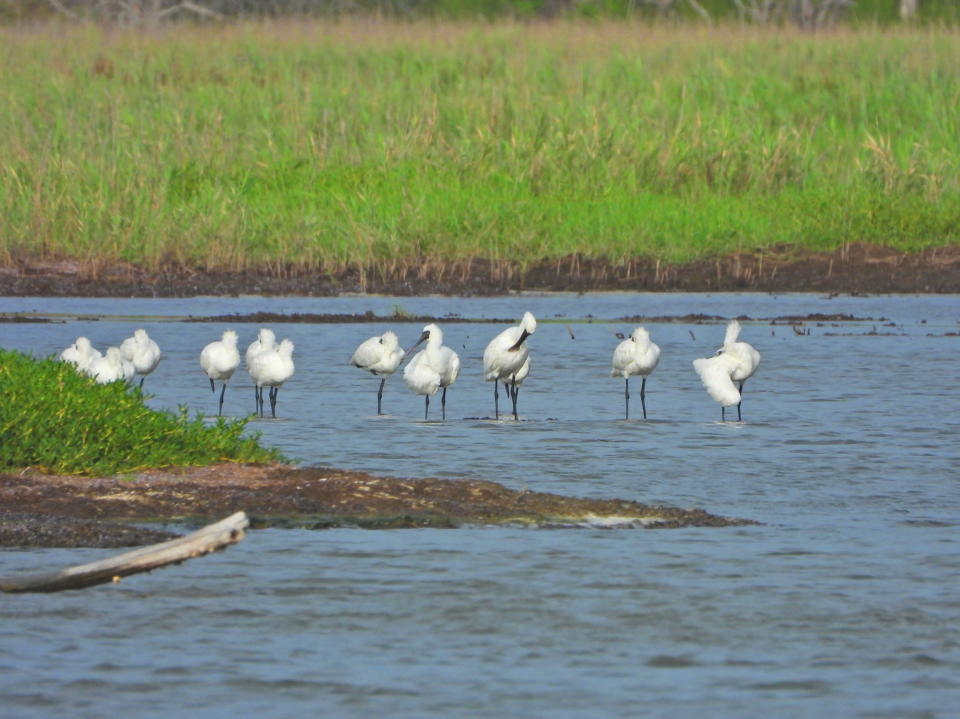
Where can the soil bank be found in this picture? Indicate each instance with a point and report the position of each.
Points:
(49, 510)
(854, 269)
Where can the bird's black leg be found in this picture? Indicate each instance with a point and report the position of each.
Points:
(496, 400)
(274, 391)
(257, 400)
(380, 395)
(213, 387)
(723, 413)
(426, 407)
(141, 382)
(740, 402)
(514, 391)
(443, 404)
(643, 396)
(626, 395)
(220, 410)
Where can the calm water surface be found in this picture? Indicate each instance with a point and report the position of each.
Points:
(843, 603)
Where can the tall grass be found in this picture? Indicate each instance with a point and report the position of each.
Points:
(58, 420)
(322, 146)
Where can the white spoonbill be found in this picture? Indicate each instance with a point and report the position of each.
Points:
(110, 367)
(142, 352)
(219, 360)
(636, 355)
(734, 362)
(266, 340)
(505, 356)
(431, 368)
(271, 368)
(380, 356)
(80, 353)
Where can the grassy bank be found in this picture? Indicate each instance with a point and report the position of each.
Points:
(57, 420)
(380, 145)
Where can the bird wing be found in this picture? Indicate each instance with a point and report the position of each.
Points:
(622, 359)
(714, 372)
(451, 361)
(367, 353)
(419, 376)
(128, 348)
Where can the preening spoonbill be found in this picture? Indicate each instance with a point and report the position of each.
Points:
(431, 368)
(80, 353)
(271, 368)
(266, 340)
(505, 356)
(380, 356)
(734, 362)
(110, 367)
(219, 360)
(636, 355)
(142, 352)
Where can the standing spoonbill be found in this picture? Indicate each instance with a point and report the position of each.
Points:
(636, 355)
(142, 352)
(431, 368)
(219, 360)
(266, 340)
(380, 356)
(734, 362)
(271, 368)
(80, 353)
(505, 356)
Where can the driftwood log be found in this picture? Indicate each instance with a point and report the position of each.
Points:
(211, 538)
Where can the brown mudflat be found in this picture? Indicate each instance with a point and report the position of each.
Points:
(856, 268)
(82, 511)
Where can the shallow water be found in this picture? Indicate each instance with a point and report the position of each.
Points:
(843, 603)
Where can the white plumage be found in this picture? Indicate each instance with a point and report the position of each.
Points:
(505, 356)
(110, 367)
(433, 367)
(271, 368)
(142, 352)
(636, 355)
(380, 355)
(735, 362)
(266, 340)
(219, 360)
(80, 353)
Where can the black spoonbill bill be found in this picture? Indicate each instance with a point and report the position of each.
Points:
(431, 368)
(271, 368)
(734, 362)
(505, 356)
(219, 360)
(142, 352)
(380, 356)
(636, 355)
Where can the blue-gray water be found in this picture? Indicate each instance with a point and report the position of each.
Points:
(843, 603)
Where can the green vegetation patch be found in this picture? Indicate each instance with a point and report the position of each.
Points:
(62, 422)
(379, 145)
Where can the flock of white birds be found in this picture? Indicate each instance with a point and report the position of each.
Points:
(506, 361)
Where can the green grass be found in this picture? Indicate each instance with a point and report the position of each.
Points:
(323, 146)
(59, 421)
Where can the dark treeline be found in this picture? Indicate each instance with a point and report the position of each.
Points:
(806, 13)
